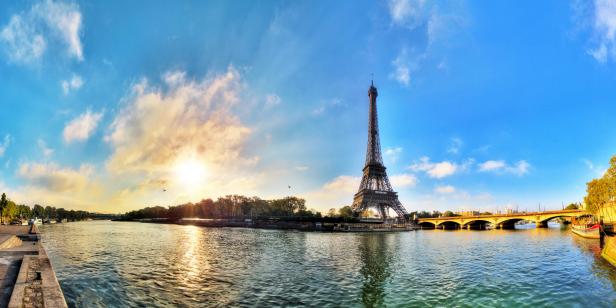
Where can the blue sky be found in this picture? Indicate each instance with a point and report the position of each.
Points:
(482, 105)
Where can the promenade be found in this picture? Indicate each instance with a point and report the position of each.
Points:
(27, 278)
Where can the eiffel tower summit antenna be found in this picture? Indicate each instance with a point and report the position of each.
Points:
(375, 191)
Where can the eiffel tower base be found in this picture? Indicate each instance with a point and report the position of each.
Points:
(380, 201)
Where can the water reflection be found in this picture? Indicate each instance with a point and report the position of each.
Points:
(375, 256)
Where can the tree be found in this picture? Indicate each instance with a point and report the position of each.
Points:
(332, 212)
(346, 211)
(3, 204)
(38, 211)
(448, 214)
(10, 210)
(602, 190)
(572, 206)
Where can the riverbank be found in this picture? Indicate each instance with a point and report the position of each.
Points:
(26, 275)
(277, 224)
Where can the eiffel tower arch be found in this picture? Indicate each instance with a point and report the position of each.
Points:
(375, 191)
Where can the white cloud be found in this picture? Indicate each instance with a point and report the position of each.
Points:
(301, 168)
(491, 165)
(47, 152)
(402, 70)
(81, 127)
(588, 164)
(65, 20)
(406, 12)
(189, 119)
(55, 178)
(604, 29)
(5, 144)
(455, 145)
(392, 153)
(520, 168)
(444, 189)
(272, 100)
(403, 180)
(22, 43)
(327, 105)
(434, 170)
(27, 34)
(71, 85)
(343, 183)
(430, 24)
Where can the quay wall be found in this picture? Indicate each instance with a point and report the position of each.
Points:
(26, 273)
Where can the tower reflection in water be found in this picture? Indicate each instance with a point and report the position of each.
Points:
(376, 253)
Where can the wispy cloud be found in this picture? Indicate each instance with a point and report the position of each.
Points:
(520, 168)
(301, 168)
(403, 180)
(432, 23)
(55, 178)
(444, 189)
(327, 105)
(455, 145)
(45, 150)
(72, 84)
(81, 127)
(402, 68)
(408, 13)
(272, 100)
(434, 170)
(392, 154)
(5, 144)
(27, 34)
(599, 17)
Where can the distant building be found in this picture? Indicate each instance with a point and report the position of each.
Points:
(468, 213)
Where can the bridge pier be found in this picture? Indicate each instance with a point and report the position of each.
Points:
(541, 224)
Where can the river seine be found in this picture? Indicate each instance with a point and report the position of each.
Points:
(103, 263)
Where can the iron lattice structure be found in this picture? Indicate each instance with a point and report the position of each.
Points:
(375, 191)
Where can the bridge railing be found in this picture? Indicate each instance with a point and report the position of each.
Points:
(507, 215)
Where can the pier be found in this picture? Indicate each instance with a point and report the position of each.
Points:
(27, 277)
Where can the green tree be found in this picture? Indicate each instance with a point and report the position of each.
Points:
(448, 214)
(572, 206)
(3, 204)
(38, 211)
(602, 190)
(346, 211)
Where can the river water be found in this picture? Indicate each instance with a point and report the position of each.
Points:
(123, 264)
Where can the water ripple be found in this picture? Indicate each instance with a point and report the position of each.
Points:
(103, 264)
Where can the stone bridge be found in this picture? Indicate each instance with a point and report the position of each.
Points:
(499, 221)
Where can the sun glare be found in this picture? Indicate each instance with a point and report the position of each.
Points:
(190, 173)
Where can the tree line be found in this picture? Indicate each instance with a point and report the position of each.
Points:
(231, 206)
(602, 191)
(11, 211)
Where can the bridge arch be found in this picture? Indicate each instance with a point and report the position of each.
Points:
(509, 223)
(476, 224)
(427, 225)
(448, 225)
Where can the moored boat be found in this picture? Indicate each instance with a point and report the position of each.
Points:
(586, 230)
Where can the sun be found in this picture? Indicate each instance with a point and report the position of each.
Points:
(190, 173)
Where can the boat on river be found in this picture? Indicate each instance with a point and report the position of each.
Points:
(586, 230)
(35, 221)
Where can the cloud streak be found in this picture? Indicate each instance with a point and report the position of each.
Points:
(28, 34)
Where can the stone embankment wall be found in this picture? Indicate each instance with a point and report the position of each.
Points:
(27, 277)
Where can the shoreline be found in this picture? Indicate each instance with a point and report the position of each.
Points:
(309, 226)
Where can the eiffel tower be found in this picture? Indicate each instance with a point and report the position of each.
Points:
(375, 190)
